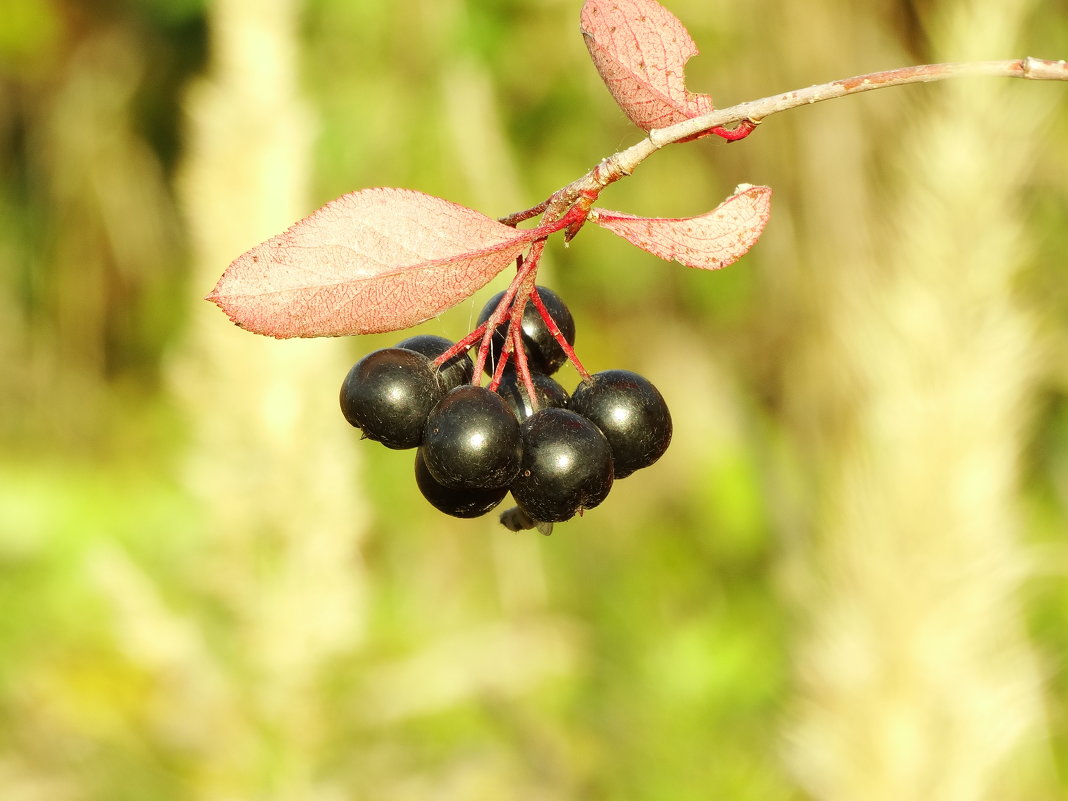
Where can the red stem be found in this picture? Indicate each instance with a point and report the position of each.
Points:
(558, 335)
(526, 270)
(521, 365)
(502, 362)
(460, 346)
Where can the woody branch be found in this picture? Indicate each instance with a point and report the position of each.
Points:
(750, 113)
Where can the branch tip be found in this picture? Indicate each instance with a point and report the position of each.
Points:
(745, 117)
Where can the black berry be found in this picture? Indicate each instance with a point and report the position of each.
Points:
(566, 467)
(632, 414)
(549, 394)
(451, 501)
(544, 354)
(471, 440)
(389, 393)
(456, 371)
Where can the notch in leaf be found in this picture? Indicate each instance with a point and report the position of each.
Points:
(641, 49)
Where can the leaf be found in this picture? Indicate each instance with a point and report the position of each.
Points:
(371, 261)
(641, 49)
(709, 241)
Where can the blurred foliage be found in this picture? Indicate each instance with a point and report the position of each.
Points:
(642, 652)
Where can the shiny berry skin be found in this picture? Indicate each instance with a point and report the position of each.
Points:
(566, 468)
(455, 502)
(544, 354)
(458, 370)
(630, 412)
(389, 393)
(471, 440)
(549, 394)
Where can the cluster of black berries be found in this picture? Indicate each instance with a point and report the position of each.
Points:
(557, 454)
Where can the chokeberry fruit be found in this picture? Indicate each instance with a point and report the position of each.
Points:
(452, 501)
(471, 440)
(549, 394)
(456, 371)
(632, 414)
(389, 393)
(566, 467)
(544, 354)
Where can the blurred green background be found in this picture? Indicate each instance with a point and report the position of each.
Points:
(845, 580)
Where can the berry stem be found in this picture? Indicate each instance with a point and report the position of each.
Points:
(527, 288)
(502, 362)
(521, 365)
(558, 335)
(505, 310)
(460, 346)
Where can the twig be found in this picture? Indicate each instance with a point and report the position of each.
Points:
(748, 114)
(758, 110)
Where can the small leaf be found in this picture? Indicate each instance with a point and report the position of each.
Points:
(371, 261)
(641, 49)
(708, 241)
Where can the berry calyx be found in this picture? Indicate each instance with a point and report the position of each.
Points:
(566, 467)
(471, 440)
(452, 501)
(388, 394)
(456, 371)
(631, 413)
(543, 352)
(515, 519)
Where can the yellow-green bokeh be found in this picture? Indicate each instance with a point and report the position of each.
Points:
(175, 626)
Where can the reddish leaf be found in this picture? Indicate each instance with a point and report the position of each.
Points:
(371, 261)
(641, 49)
(709, 241)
